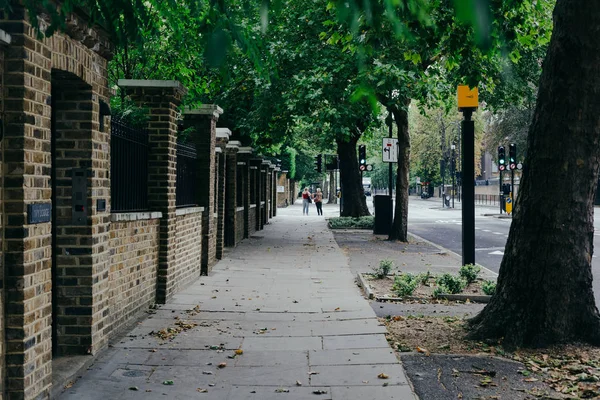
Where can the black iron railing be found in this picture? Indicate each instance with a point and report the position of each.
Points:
(186, 174)
(128, 168)
(487, 199)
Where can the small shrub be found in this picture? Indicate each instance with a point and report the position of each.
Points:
(405, 284)
(489, 287)
(470, 272)
(452, 284)
(439, 290)
(384, 268)
(352, 223)
(424, 278)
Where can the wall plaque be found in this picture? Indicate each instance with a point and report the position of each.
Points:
(39, 213)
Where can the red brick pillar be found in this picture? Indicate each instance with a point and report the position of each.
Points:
(231, 193)
(162, 98)
(26, 157)
(244, 154)
(223, 135)
(204, 121)
(272, 191)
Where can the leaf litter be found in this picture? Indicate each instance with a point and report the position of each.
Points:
(571, 371)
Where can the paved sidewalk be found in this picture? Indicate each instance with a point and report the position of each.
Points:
(286, 297)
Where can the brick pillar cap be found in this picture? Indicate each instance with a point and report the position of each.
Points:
(218, 150)
(5, 38)
(205, 109)
(245, 150)
(266, 162)
(284, 171)
(223, 133)
(234, 144)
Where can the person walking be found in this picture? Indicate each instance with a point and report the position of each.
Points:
(306, 200)
(318, 197)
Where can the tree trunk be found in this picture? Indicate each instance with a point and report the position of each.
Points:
(332, 198)
(400, 226)
(353, 195)
(544, 293)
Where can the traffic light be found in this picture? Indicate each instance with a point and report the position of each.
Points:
(362, 154)
(318, 162)
(501, 158)
(512, 156)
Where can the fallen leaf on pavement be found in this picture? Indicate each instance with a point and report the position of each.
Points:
(423, 350)
(200, 390)
(135, 388)
(168, 382)
(298, 383)
(319, 391)
(239, 352)
(222, 365)
(383, 376)
(313, 373)
(282, 390)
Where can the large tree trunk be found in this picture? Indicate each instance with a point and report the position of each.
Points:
(544, 292)
(400, 226)
(353, 196)
(332, 198)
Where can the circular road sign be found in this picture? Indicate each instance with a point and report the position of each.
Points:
(501, 167)
(369, 167)
(519, 166)
(362, 167)
(513, 166)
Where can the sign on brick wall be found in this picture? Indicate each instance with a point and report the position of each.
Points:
(280, 189)
(39, 213)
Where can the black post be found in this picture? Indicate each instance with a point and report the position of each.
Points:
(468, 174)
(512, 189)
(453, 174)
(391, 165)
(500, 193)
(443, 173)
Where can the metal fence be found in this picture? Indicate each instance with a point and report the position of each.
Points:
(186, 174)
(487, 199)
(129, 167)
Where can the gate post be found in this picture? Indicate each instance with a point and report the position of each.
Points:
(162, 98)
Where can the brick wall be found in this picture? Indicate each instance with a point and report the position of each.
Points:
(231, 220)
(204, 120)
(133, 269)
(2, 347)
(162, 98)
(240, 226)
(27, 86)
(220, 197)
(252, 216)
(188, 247)
(282, 198)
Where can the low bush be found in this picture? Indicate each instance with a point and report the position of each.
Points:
(405, 284)
(470, 272)
(451, 284)
(384, 268)
(489, 287)
(352, 223)
(424, 278)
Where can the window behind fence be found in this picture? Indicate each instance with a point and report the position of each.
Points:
(186, 174)
(128, 168)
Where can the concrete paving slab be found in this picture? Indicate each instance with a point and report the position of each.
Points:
(252, 358)
(373, 393)
(282, 343)
(355, 342)
(267, 376)
(278, 393)
(351, 357)
(352, 327)
(356, 375)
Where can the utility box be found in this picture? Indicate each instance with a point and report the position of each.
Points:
(384, 214)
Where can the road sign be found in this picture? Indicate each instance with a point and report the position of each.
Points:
(467, 97)
(389, 150)
(519, 166)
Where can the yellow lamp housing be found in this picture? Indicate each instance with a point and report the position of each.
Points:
(467, 97)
